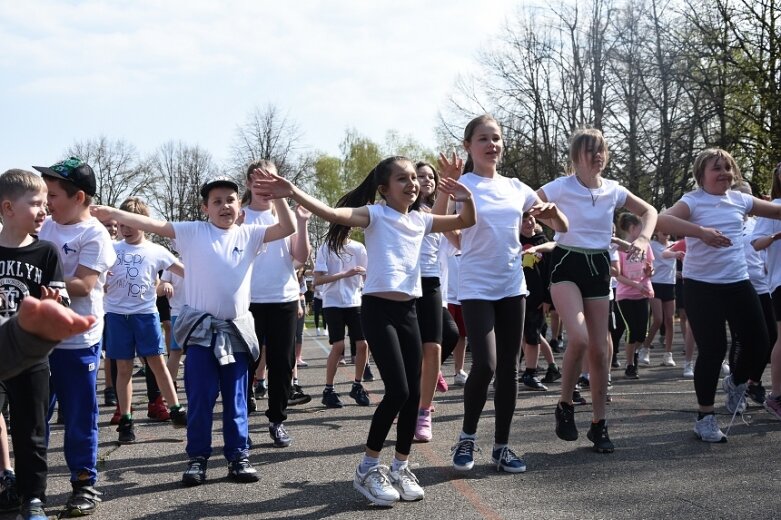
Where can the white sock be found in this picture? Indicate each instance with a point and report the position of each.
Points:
(367, 463)
(463, 435)
(499, 446)
(397, 464)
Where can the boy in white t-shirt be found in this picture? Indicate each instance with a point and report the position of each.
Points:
(215, 323)
(86, 252)
(132, 321)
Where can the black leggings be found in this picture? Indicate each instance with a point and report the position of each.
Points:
(772, 331)
(391, 328)
(494, 329)
(317, 310)
(709, 307)
(275, 325)
(635, 315)
(449, 334)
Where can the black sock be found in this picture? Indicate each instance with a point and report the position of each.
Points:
(701, 415)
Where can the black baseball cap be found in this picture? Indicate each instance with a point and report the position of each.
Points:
(72, 170)
(221, 180)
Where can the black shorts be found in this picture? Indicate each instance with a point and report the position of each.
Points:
(163, 308)
(588, 269)
(532, 325)
(679, 301)
(429, 310)
(337, 318)
(664, 291)
(776, 298)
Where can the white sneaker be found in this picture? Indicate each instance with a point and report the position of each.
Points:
(406, 483)
(644, 357)
(736, 395)
(725, 371)
(688, 369)
(317, 333)
(667, 360)
(376, 486)
(460, 378)
(707, 429)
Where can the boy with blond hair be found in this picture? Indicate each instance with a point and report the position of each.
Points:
(215, 325)
(87, 253)
(28, 267)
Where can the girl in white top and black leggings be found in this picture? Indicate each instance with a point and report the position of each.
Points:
(716, 283)
(393, 240)
(492, 289)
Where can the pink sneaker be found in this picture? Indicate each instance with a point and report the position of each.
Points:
(441, 383)
(772, 405)
(423, 428)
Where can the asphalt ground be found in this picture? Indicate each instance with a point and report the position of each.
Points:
(659, 468)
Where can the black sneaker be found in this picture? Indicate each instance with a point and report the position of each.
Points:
(368, 376)
(179, 417)
(584, 382)
(279, 435)
(631, 372)
(577, 398)
(331, 399)
(598, 435)
(756, 392)
(242, 471)
(83, 501)
(359, 394)
(260, 391)
(565, 422)
(127, 434)
(109, 396)
(32, 509)
(252, 404)
(531, 381)
(9, 499)
(552, 374)
(195, 474)
(298, 397)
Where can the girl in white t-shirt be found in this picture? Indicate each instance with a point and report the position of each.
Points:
(663, 302)
(492, 289)
(716, 286)
(274, 292)
(580, 273)
(393, 240)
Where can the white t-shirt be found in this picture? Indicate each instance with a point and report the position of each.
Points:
(393, 242)
(273, 276)
(429, 255)
(725, 213)
(590, 225)
(177, 300)
(219, 265)
(613, 252)
(131, 282)
(755, 260)
(453, 263)
(491, 252)
(89, 244)
(764, 227)
(664, 268)
(345, 292)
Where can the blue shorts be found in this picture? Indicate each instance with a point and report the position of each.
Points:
(133, 334)
(174, 345)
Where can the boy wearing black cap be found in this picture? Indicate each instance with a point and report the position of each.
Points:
(87, 253)
(215, 325)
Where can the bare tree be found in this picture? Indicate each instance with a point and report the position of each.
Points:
(178, 171)
(116, 165)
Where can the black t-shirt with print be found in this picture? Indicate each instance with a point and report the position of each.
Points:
(24, 270)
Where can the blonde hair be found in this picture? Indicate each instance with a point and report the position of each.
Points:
(15, 182)
(135, 205)
(698, 170)
(586, 138)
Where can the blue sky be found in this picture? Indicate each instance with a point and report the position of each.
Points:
(150, 71)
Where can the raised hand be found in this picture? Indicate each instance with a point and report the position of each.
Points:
(302, 213)
(454, 189)
(450, 168)
(543, 210)
(49, 320)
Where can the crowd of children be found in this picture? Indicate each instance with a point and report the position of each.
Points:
(451, 255)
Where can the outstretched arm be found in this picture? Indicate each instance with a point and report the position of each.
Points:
(275, 187)
(674, 221)
(460, 193)
(159, 227)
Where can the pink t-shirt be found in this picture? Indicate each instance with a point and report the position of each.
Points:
(637, 270)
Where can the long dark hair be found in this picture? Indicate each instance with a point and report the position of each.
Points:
(364, 193)
(429, 200)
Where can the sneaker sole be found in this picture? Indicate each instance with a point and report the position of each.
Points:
(506, 469)
(243, 479)
(192, 482)
(409, 498)
(299, 402)
(703, 439)
(422, 438)
(371, 498)
(465, 467)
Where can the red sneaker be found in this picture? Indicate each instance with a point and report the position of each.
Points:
(441, 384)
(157, 410)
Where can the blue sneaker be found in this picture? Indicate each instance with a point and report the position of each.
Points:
(506, 459)
(32, 510)
(464, 454)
